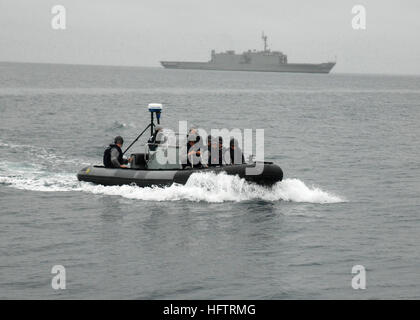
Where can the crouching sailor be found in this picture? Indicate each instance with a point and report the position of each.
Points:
(113, 155)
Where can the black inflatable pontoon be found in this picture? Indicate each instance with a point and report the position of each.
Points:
(161, 177)
(147, 170)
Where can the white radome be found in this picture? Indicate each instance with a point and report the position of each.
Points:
(154, 107)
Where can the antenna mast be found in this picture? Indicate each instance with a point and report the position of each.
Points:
(264, 37)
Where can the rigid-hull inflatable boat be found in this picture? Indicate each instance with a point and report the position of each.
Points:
(147, 169)
(270, 174)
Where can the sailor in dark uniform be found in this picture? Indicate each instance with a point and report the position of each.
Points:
(113, 155)
(236, 155)
(221, 153)
(194, 151)
(213, 151)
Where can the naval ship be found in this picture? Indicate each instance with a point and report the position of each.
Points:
(251, 60)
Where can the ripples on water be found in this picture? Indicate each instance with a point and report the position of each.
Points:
(348, 146)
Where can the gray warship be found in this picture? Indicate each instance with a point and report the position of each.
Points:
(251, 60)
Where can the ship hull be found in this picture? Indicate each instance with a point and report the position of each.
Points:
(288, 67)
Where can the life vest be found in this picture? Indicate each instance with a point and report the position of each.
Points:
(107, 156)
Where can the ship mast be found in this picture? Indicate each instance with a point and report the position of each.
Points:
(264, 37)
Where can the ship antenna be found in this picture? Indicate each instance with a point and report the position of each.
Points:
(264, 37)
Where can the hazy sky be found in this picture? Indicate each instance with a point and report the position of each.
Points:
(143, 32)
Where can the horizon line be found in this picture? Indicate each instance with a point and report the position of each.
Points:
(158, 67)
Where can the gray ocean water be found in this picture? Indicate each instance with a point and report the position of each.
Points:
(348, 145)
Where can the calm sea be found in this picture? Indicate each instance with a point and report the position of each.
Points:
(349, 147)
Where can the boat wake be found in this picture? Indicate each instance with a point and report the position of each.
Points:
(205, 187)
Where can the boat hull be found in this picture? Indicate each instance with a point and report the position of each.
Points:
(287, 67)
(269, 175)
